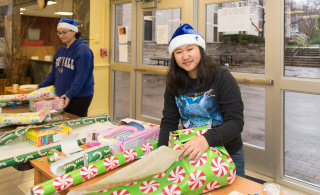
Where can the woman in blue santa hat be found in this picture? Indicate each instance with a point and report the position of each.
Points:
(200, 93)
(72, 69)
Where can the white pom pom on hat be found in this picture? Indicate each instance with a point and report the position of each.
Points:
(185, 35)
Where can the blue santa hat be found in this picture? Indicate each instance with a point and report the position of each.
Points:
(70, 24)
(184, 35)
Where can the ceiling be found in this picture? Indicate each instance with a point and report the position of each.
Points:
(32, 9)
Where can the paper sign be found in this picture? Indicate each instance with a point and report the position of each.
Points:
(123, 53)
(162, 34)
(122, 33)
(234, 19)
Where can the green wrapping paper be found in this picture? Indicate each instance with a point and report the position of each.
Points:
(92, 170)
(78, 163)
(30, 156)
(213, 170)
(90, 157)
(11, 135)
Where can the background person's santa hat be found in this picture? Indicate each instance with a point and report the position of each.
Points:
(70, 24)
(185, 35)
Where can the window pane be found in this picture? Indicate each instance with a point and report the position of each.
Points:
(254, 115)
(302, 136)
(302, 39)
(239, 50)
(122, 50)
(121, 95)
(155, 46)
(153, 87)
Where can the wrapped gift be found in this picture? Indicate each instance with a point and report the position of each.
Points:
(45, 136)
(129, 134)
(38, 104)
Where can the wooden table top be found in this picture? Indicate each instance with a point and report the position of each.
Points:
(25, 108)
(242, 185)
(9, 90)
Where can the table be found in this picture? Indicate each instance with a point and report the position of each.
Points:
(9, 90)
(226, 58)
(165, 60)
(42, 173)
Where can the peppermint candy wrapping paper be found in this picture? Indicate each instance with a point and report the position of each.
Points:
(89, 157)
(153, 164)
(42, 93)
(27, 118)
(11, 135)
(213, 170)
(90, 171)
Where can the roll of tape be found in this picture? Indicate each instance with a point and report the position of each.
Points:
(52, 156)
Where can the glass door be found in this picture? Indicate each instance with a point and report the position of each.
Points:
(300, 96)
(156, 24)
(236, 36)
(122, 61)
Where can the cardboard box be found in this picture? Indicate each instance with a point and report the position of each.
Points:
(45, 136)
(54, 104)
(141, 133)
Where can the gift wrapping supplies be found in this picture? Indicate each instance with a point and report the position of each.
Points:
(11, 135)
(213, 170)
(92, 170)
(26, 118)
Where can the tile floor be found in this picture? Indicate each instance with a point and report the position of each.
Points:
(13, 182)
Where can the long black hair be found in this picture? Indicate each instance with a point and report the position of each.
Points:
(78, 34)
(178, 81)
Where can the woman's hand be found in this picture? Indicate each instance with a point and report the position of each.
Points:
(66, 101)
(194, 148)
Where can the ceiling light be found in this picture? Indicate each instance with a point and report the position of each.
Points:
(51, 3)
(22, 9)
(64, 13)
(21, 13)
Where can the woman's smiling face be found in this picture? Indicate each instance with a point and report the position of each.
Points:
(188, 58)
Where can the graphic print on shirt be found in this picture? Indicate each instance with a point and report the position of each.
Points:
(199, 109)
(64, 62)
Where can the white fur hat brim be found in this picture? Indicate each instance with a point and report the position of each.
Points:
(186, 39)
(67, 26)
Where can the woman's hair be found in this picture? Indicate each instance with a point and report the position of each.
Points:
(78, 34)
(178, 81)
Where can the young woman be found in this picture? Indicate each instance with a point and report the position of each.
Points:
(200, 93)
(72, 69)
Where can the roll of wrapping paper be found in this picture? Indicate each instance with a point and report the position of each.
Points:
(78, 163)
(42, 93)
(12, 104)
(11, 135)
(88, 158)
(92, 170)
(33, 155)
(94, 156)
(27, 118)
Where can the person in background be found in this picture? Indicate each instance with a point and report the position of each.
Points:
(200, 93)
(72, 69)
